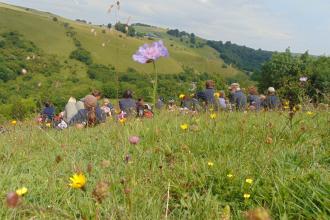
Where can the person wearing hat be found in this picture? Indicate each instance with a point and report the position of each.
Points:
(238, 98)
(272, 102)
(90, 115)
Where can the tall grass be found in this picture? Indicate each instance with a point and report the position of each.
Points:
(289, 168)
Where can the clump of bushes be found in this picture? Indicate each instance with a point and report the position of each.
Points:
(82, 55)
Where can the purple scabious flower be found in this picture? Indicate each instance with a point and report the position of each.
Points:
(134, 140)
(151, 52)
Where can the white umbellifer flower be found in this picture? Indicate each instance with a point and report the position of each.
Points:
(303, 79)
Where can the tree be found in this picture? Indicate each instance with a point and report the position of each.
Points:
(192, 38)
(284, 70)
(129, 30)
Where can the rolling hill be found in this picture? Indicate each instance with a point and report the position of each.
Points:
(50, 36)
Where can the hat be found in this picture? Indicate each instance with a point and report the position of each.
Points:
(235, 84)
(271, 89)
(90, 101)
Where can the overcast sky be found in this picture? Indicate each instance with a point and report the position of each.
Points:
(268, 24)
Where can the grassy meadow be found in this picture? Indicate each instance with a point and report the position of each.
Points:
(201, 173)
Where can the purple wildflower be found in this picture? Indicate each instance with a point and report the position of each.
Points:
(150, 52)
(134, 140)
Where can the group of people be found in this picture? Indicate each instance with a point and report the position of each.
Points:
(237, 99)
(88, 112)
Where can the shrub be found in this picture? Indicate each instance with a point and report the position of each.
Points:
(82, 55)
(101, 72)
(109, 90)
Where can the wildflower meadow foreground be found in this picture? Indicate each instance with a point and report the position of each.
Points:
(207, 166)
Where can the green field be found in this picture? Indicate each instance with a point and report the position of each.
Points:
(289, 168)
(118, 50)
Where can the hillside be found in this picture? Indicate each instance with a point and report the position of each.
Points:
(243, 57)
(50, 36)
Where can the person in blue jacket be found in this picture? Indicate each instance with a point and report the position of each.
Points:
(253, 99)
(48, 112)
(238, 98)
(127, 103)
(272, 101)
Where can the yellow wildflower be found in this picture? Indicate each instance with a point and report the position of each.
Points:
(309, 113)
(210, 164)
(78, 181)
(48, 125)
(122, 120)
(22, 191)
(14, 122)
(184, 127)
(230, 175)
(213, 116)
(246, 196)
(249, 181)
(181, 96)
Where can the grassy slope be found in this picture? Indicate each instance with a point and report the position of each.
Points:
(290, 175)
(50, 36)
(47, 35)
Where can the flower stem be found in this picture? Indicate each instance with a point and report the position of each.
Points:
(155, 85)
